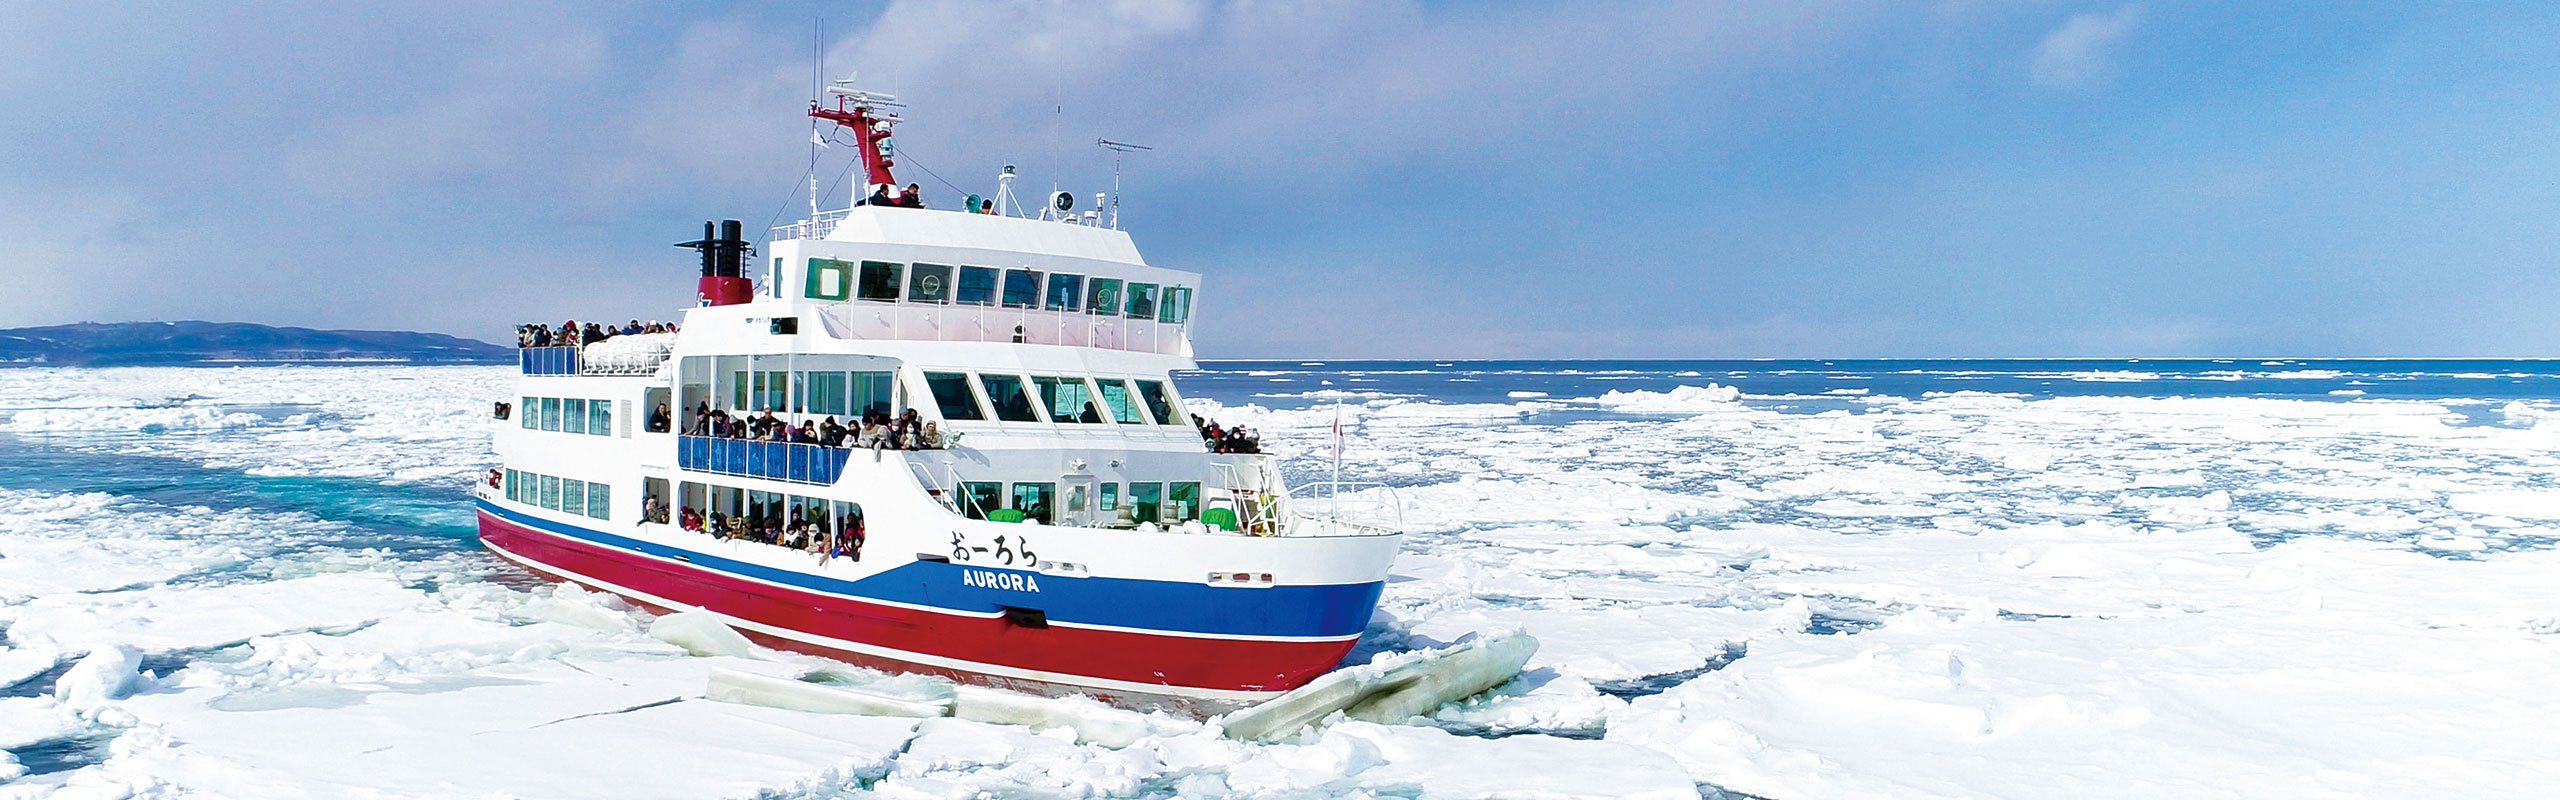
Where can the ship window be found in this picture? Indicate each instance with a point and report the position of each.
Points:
(771, 390)
(1021, 288)
(879, 280)
(573, 416)
(847, 528)
(1182, 501)
(928, 283)
(1142, 301)
(1177, 305)
(550, 413)
(1160, 402)
(1122, 402)
(825, 392)
(551, 492)
(1012, 402)
(829, 279)
(515, 486)
(1103, 297)
(979, 497)
(977, 286)
(1146, 500)
(600, 501)
(529, 413)
(573, 495)
(1064, 292)
(1033, 500)
(1110, 497)
(1067, 399)
(872, 392)
(951, 394)
(600, 417)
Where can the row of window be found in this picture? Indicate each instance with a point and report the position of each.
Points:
(567, 415)
(1162, 503)
(844, 394)
(883, 281)
(971, 396)
(561, 494)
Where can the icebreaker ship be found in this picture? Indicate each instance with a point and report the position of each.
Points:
(1065, 530)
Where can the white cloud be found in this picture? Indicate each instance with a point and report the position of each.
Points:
(2081, 53)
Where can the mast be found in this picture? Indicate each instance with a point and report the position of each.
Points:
(870, 115)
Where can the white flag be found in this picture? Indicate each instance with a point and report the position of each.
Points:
(817, 138)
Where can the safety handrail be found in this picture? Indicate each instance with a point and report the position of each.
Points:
(1323, 502)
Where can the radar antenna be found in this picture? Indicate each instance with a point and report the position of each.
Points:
(1120, 151)
(870, 115)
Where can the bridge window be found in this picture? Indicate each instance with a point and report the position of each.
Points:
(1021, 288)
(977, 286)
(1142, 301)
(829, 279)
(1104, 297)
(1160, 402)
(951, 394)
(1122, 402)
(929, 283)
(979, 497)
(1033, 500)
(1110, 497)
(1067, 399)
(1064, 292)
(1177, 305)
(1012, 402)
(879, 281)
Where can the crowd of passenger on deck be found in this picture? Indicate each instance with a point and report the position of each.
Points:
(1227, 440)
(811, 530)
(571, 333)
(876, 430)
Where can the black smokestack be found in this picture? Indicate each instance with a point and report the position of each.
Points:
(732, 243)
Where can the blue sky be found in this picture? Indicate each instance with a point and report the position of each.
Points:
(1357, 179)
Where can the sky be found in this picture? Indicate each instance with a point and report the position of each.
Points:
(1375, 179)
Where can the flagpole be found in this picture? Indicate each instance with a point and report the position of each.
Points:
(1337, 456)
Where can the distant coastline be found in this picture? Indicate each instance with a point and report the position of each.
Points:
(198, 343)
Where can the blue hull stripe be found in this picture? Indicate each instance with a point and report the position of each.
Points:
(1329, 610)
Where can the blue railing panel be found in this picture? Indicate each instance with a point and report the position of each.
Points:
(782, 461)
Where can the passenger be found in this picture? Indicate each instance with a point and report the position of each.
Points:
(914, 198)
(932, 439)
(659, 420)
(830, 433)
(807, 434)
(764, 424)
(880, 197)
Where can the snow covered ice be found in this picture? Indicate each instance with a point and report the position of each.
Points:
(1940, 581)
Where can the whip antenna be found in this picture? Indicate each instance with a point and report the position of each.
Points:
(1120, 151)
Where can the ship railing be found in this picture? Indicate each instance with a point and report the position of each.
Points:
(1346, 508)
(782, 461)
(870, 319)
(816, 227)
